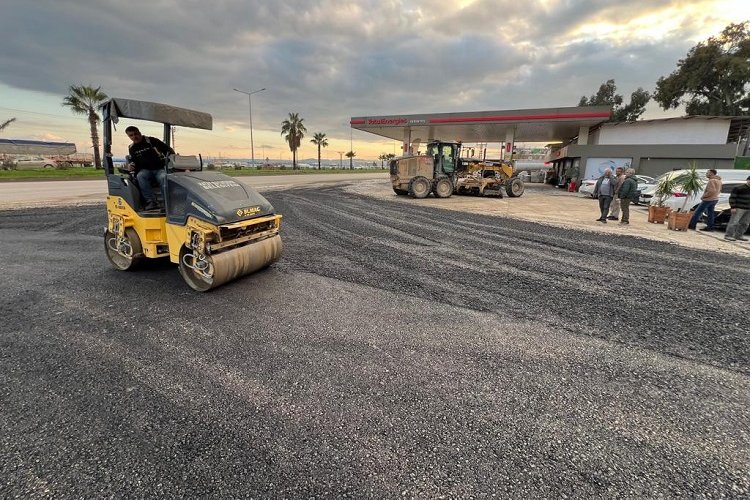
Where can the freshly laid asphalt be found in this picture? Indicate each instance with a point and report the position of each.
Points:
(394, 350)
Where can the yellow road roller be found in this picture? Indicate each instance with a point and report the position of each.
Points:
(214, 228)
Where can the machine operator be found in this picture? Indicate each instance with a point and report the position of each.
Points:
(147, 156)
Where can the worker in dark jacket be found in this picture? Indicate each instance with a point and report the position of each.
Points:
(147, 155)
(739, 203)
(627, 193)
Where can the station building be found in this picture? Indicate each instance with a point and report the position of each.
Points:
(653, 147)
(586, 143)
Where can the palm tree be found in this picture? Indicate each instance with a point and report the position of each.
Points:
(320, 140)
(85, 100)
(382, 159)
(295, 131)
(6, 123)
(351, 155)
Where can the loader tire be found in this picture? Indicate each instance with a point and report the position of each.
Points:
(419, 187)
(514, 187)
(443, 188)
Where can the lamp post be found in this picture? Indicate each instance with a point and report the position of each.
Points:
(250, 103)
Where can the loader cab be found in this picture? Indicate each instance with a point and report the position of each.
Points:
(445, 156)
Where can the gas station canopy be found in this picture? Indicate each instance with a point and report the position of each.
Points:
(524, 125)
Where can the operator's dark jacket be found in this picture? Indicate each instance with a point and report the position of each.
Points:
(149, 154)
(628, 189)
(740, 197)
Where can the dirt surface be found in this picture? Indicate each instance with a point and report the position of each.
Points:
(396, 350)
(548, 205)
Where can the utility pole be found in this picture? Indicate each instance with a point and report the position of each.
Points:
(250, 104)
(341, 160)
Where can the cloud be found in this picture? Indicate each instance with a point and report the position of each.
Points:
(333, 59)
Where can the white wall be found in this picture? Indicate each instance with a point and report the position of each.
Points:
(692, 131)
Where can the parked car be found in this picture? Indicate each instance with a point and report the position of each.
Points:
(33, 162)
(587, 187)
(730, 178)
(723, 214)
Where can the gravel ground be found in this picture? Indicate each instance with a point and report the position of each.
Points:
(554, 207)
(395, 350)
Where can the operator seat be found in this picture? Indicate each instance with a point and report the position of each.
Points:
(181, 163)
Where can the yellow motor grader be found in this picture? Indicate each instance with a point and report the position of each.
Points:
(442, 171)
(214, 228)
(489, 178)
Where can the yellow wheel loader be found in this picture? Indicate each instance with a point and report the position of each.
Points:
(214, 228)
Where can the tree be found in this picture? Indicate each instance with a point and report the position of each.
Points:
(351, 155)
(6, 123)
(607, 96)
(319, 139)
(714, 77)
(382, 159)
(295, 132)
(85, 100)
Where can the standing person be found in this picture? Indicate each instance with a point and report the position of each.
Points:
(708, 201)
(148, 154)
(627, 193)
(605, 191)
(739, 202)
(614, 208)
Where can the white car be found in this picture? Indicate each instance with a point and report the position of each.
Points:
(587, 187)
(33, 162)
(678, 201)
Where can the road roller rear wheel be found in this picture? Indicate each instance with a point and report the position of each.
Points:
(124, 255)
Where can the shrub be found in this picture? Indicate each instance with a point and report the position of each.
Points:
(7, 164)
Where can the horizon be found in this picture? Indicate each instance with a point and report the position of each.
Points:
(329, 63)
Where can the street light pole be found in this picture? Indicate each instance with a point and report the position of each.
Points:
(250, 104)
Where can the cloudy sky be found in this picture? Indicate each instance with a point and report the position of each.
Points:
(329, 60)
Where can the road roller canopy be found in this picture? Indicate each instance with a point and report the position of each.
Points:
(117, 108)
(524, 125)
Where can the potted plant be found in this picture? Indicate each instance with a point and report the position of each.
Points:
(658, 213)
(689, 183)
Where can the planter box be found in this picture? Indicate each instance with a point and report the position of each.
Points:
(679, 221)
(657, 215)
